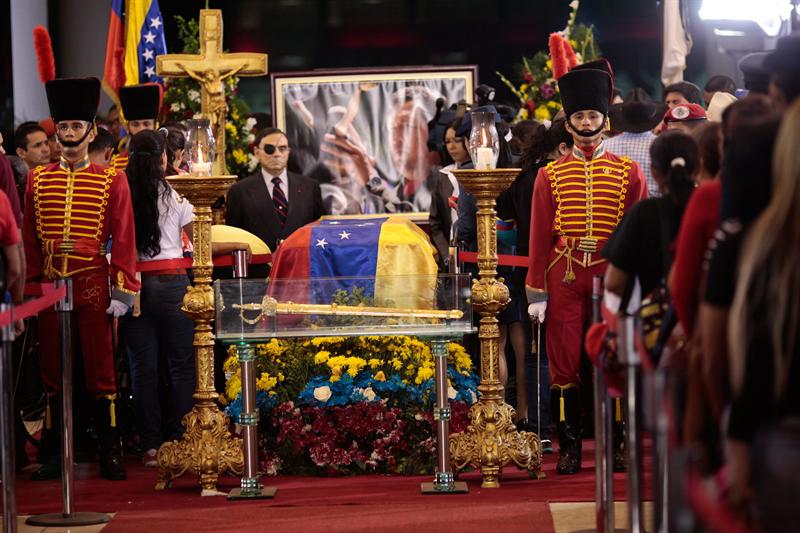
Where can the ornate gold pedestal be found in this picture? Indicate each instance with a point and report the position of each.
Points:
(207, 448)
(492, 440)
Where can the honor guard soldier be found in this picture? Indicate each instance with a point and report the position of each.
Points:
(140, 105)
(578, 200)
(73, 208)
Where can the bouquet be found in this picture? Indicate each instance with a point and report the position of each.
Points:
(537, 90)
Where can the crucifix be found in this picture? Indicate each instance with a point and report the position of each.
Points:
(211, 67)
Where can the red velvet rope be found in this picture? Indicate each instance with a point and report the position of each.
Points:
(49, 296)
(186, 262)
(502, 259)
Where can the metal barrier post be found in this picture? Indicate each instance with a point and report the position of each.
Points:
(444, 480)
(630, 357)
(250, 488)
(67, 517)
(7, 424)
(604, 475)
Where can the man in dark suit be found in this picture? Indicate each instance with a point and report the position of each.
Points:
(272, 203)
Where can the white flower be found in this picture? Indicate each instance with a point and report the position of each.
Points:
(250, 138)
(368, 393)
(322, 394)
(574, 4)
(193, 95)
(252, 162)
(197, 116)
(451, 392)
(175, 107)
(250, 123)
(417, 416)
(307, 427)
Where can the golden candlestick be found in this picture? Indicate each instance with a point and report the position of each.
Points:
(207, 448)
(491, 440)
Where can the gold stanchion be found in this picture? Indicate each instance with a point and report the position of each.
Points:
(207, 448)
(492, 440)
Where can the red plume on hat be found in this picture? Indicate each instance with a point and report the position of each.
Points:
(572, 59)
(558, 55)
(44, 54)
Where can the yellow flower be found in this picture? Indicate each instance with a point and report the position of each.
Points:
(397, 364)
(266, 382)
(334, 378)
(380, 376)
(523, 87)
(321, 357)
(523, 114)
(239, 156)
(374, 363)
(424, 374)
(542, 113)
(549, 64)
(233, 387)
(552, 104)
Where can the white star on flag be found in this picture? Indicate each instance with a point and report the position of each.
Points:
(150, 71)
(155, 22)
(149, 37)
(322, 243)
(148, 54)
(344, 235)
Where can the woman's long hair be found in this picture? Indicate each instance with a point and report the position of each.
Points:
(543, 142)
(769, 279)
(175, 139)
(675, 155)
(147, 183)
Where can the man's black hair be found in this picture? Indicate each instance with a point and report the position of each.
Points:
(102, 140)
(22, 132)
(268, 131)
(720, 84)
(690, 91)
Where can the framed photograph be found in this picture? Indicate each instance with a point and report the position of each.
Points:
(363, 134)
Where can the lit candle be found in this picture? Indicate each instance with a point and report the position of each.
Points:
(200, 167)
(485, 158)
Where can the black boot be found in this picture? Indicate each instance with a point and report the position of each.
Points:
(111, 466)
(618, 437)
(49, 454)
(566, 409)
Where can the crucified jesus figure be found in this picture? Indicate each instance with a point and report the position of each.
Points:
(213, 103)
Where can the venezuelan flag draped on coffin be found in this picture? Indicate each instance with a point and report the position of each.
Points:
(389, 250)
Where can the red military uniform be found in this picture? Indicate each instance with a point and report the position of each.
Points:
(577, 203)
(120, 161)
(70, 215)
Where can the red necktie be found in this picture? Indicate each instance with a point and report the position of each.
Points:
(279, 199)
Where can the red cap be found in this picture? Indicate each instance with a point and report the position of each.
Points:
(685, 113)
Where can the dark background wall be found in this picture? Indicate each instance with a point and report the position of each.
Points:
(308, 34)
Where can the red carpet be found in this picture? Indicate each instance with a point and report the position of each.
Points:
(360, 503)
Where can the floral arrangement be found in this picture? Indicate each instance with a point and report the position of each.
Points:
(343, 405)
(538, 90)
(182, 101)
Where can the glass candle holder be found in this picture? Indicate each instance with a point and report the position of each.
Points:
(200, 146)
(484, 141)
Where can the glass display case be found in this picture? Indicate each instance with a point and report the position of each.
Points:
(426, 306)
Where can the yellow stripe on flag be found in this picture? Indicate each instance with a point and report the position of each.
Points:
(135, 14)
(405, 273)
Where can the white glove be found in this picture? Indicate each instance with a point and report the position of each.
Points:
(117, 308)
(537, 311)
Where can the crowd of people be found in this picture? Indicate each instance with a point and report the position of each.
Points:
(690, 200)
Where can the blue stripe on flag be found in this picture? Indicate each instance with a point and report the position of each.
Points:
(344, 249)
(151, 44)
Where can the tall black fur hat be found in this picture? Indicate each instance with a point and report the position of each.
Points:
(587, 86)
(73, 98)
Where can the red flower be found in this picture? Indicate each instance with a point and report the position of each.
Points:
(528, 77)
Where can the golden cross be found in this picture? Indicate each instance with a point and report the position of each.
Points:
(211, 68)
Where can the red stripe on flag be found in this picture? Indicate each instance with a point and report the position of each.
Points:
(116, 40)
